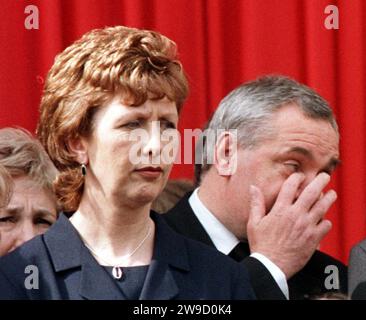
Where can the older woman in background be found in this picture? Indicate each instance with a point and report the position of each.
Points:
(103, 91)
(31, 209)
(5, 190)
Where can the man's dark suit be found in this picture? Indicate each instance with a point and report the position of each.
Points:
(180, 269)
(306, 283)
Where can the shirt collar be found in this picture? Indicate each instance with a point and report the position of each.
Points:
(223, 239)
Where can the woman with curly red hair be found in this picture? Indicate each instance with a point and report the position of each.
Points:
(101, 91)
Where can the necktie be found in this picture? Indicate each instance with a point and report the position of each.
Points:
(240, 251)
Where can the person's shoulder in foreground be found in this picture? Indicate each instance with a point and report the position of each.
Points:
(356, 272)
(185, 268)
(323, 274)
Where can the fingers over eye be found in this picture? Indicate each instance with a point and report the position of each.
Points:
(312, 192)
(289, 190)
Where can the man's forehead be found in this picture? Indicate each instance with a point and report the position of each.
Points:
(291, 122)
(293, 113)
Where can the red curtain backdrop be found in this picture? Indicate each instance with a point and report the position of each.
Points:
(222, 43)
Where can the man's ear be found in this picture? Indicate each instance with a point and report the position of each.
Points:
(226, 154)
(78, 148)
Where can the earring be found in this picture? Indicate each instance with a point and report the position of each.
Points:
(83, 169)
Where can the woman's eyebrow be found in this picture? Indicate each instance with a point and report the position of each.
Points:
(13, 210)
(43, 212)
(169, 115)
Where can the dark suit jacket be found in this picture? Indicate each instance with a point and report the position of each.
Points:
(306, 283)
(180, 269)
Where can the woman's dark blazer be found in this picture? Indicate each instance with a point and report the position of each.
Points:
(180, 269)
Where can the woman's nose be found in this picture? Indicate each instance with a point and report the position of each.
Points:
(26, 232)
(153, 144)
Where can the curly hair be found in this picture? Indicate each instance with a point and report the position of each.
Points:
(5, 186)
(22, 155)
(133, 64)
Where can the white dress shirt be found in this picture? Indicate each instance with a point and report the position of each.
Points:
(225, 241)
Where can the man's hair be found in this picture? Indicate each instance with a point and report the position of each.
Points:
(5, 187)
(249, 109)
(23, 155)
(133, 64)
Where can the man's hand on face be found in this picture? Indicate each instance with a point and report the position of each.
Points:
(290, 233)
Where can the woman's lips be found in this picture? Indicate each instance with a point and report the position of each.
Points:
(150, 172)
